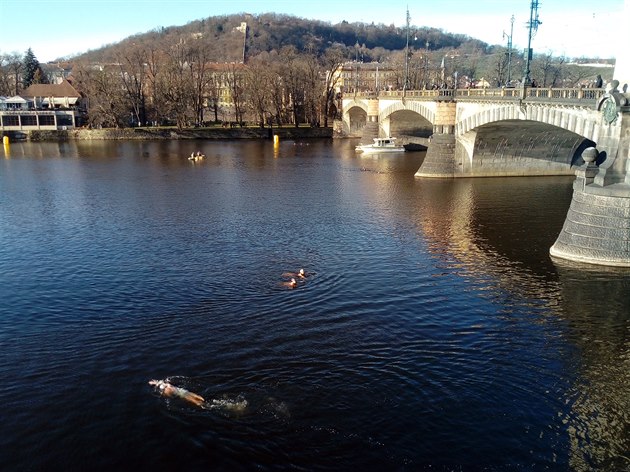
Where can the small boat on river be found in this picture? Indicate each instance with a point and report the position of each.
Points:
(381, 145)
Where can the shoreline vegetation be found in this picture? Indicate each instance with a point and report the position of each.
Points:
(148, 133)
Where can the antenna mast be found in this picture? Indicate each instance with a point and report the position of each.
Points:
(533, 27)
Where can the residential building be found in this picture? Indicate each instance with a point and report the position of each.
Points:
(367, 77)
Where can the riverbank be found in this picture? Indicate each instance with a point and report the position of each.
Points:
(173, 133)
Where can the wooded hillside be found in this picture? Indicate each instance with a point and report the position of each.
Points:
(268, 33)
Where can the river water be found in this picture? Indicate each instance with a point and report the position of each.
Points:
(432, 332)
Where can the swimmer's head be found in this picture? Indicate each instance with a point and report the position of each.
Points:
(293, 282)
(301, 272)
(158, 384)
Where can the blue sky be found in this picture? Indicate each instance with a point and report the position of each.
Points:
(57, 28)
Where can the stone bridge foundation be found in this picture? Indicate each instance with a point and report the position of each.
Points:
(597, 227)
(440, 158)
(371, 128)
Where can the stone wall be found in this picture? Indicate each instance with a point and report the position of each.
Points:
(172, 133)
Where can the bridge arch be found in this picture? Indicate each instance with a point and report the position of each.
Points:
(519, 147)
(531, 139)
(354, 117)
(419, 107)
(406, 120)
(579, 121)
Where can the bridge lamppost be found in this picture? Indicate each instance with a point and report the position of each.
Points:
(356, 68)
(406, 80)
(425, 77)
(509, 49)
(533, 27)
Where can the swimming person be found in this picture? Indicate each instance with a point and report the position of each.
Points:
(168, 390)
(290, 284)
(300, 274)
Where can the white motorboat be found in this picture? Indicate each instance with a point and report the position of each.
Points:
(381, 145)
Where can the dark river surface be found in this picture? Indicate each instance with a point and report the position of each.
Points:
(433, 331)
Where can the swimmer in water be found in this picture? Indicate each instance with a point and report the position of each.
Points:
(300, 274)
(168, 390)
(290, 284)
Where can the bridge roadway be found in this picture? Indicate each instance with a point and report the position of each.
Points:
(524, 132)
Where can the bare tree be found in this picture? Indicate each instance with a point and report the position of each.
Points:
(258, 79)
(108, 106)
(213, 93)
(547, 69)
(199, 76)
(6, 87)
(293, 76)
(467, 65)
(175, 85)
(154, 66)
(313, 89)
(236, 83)
(133, 73)
(11, 68)
(501, 67)
(332, 61)
(279, 94)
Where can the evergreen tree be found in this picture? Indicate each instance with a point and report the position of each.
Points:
(33, 73)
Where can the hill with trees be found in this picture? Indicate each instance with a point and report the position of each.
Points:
(270, 32)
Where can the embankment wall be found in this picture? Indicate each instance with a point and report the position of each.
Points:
(169, 133)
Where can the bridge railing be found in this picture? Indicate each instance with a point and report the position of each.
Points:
(575, 95)
(488, 93)
(559, 94)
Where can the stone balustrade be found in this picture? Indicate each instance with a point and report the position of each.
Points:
(529, 93)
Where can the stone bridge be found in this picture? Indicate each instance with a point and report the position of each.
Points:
(522, 132)
(485, 132)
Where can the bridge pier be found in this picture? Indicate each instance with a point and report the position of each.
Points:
(597, 227)
(440, 158)
(371, 128)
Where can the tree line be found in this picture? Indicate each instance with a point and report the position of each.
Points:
(181, 86)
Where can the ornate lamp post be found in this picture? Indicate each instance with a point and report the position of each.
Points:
(509, 49)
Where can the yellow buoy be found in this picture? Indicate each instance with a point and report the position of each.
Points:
(7, 147)
(276, 139)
